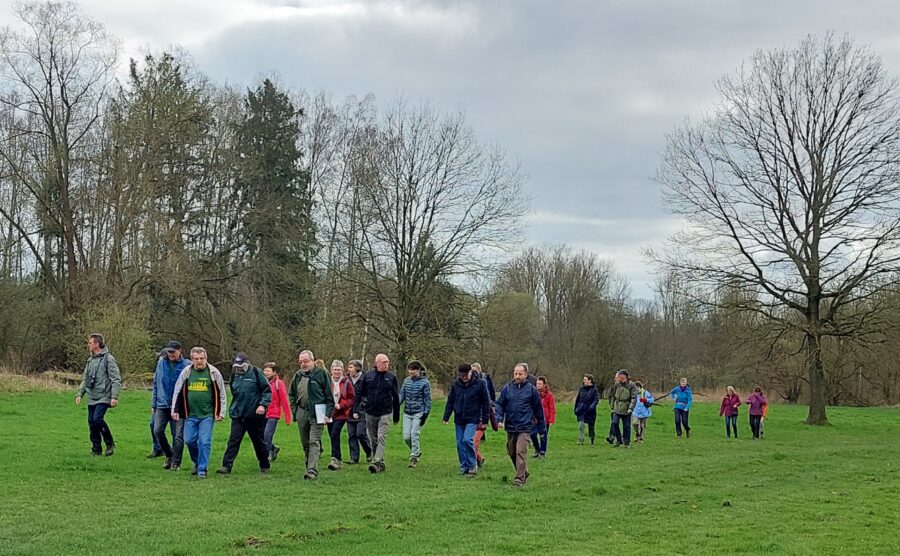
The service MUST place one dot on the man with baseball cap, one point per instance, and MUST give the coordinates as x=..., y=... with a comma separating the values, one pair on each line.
x=168, y=367
x=250, y=399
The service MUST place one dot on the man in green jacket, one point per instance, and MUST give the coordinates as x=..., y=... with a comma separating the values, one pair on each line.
x=622, y=399
x=311, y=387
x=250, y=398
x=101, y=382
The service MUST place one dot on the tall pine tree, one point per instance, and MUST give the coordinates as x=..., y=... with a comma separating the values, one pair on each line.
x=278, y=202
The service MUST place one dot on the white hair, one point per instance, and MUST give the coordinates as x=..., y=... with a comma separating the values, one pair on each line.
x=337, y=363
x=308, y=353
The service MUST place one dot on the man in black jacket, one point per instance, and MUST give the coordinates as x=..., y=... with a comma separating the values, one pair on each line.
x=470, y=404
x=250, y=398
x=379, y=394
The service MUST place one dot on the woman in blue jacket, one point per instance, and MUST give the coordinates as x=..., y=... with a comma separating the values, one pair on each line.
x=641, y=412
x=586, y=407
x=683, y=398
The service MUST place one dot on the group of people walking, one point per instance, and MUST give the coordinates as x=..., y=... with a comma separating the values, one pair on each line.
x=188, y=397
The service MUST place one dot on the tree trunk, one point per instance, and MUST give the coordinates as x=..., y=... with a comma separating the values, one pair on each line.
x=816, y=373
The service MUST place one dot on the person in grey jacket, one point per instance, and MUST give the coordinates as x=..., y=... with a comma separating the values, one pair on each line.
x=101, y=382
x=416, y=393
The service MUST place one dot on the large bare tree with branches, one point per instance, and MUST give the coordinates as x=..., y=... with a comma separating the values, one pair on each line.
x=791, y=190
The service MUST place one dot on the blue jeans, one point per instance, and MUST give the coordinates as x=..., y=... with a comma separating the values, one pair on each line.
x=157, y=449
x=465, y=446
x=539, y=439
x=731, y=424
x=98, y=427
x=198, y=437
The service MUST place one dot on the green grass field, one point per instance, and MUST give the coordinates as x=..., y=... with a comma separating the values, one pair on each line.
x=801, y=490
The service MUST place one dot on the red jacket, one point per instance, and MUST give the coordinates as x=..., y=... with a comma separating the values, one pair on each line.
x=344, y=403
x=279, y=401
x=729, y=405
x=548, y=402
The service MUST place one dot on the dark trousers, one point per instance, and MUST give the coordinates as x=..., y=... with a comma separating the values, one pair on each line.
x=269, y=434
x=98, y=427
x=539, y=439
x=681, y=420
x=755, y=420
x=620, y=427
x=161, y=418
x=255, y=427
x=731, y=425
x=356, y=430
x=334, y=433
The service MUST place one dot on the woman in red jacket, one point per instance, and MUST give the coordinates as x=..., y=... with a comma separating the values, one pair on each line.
x=344, y=395
x=278, y=406
x=548, y=403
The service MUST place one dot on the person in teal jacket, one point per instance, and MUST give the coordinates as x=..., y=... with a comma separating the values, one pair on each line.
x=641, y=411
x=683, y=397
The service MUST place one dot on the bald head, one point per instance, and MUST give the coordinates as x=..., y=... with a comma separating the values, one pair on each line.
x=382, y=363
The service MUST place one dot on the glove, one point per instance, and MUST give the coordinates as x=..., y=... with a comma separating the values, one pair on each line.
x=644, y=401
x=423, y=419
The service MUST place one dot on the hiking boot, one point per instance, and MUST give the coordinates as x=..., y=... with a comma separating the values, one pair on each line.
x=380, y=467
x=373, y=468
x=687, y=434
x=154, y=454
x=518, y=482
x=168, y=464
x=369, y=459
x=275, y=451
x=194, y=470
x=310, y=475
x=610, y=439
x=110, y=449
x=335, y=464
x=224, y=470
x=536, y=455
x=175, y=467
x=413, y=462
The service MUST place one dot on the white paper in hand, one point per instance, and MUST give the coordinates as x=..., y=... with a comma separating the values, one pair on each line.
x=320, y=414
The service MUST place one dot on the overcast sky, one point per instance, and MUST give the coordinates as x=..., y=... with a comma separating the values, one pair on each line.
x=582, y=93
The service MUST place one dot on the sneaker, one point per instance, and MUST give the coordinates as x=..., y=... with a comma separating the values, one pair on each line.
x=194, y=471
x=93, y=453
x=264, y=470
x=201, y=475
x=518, y=482
x=110, y=450
x=610, y=439
x=335, y=464
x=310, y=475
x=536, y=455
x=471, y=473
x=581, y=442
x=542, y=456
x=224, y=470
x=381, y=467
x=175, y=467
x=616, y=445
x=369, y=459
x=168, y=464
x=275, y=451
x=353, y=462
x=413, y=462
x=154, y=454
x=626, y=445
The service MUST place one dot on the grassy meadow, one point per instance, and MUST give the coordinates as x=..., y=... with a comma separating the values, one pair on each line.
x=800, y=490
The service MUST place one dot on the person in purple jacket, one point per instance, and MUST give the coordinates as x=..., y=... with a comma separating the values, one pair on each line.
x=756, y=401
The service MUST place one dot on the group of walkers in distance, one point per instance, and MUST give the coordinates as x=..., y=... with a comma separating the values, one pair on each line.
x=188, y=397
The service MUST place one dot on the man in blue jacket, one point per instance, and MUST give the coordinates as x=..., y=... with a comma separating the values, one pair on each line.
x=167, y=370
x=518, y=411
x=470, y=404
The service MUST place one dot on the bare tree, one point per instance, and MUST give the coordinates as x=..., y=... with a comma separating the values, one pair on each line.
x=790, y=188
x=436, y=205
x=55, y=71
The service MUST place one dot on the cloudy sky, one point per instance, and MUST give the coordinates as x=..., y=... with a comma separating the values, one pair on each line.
x=581, y=92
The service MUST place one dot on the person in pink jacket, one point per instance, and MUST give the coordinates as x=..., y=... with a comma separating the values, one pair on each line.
x=756, y=401
x=729, y=409
x=277, y=407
